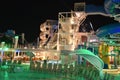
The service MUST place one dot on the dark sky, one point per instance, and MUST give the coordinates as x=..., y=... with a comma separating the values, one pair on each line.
x=25, y=16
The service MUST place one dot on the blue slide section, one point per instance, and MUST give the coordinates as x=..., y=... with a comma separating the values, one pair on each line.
x=93, y=8
x=108, y=29
x=108, y=7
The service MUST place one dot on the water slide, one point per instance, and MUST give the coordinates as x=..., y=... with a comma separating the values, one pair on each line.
x=109, y=7
x=52, y=37
x=92, y=58
x=108, y=30
x=104, y=31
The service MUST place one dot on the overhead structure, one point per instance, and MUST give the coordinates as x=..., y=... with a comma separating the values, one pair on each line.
x=109, y=29
x=69, y=23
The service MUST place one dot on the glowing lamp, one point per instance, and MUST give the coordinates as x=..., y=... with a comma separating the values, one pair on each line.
x=5, y=49
x=16, y=37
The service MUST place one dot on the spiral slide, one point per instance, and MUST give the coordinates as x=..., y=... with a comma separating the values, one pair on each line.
x=52, y=37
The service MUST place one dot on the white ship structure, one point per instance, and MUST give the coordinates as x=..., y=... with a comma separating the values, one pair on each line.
x=66, y=41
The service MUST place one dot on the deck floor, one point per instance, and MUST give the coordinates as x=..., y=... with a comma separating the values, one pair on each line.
x=31, y=75
x=27, y=74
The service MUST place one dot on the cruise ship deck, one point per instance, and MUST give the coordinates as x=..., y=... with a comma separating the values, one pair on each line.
x=55, y=72
x=84, y=54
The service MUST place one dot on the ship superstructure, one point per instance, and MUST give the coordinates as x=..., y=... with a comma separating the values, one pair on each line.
x=59, y=38
x=69, y=24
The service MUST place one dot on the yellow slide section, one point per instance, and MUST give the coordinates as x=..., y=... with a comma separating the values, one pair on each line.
x=103, y=52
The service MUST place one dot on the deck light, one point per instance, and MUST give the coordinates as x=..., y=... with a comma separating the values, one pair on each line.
x=16, y=37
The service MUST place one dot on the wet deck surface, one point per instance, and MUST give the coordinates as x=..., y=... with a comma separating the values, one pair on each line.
x=30, y=75
x=26, y=74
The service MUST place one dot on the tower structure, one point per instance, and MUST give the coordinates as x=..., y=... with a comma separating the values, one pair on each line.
x=69, y=23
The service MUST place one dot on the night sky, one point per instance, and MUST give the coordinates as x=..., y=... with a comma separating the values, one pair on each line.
x=25, y=16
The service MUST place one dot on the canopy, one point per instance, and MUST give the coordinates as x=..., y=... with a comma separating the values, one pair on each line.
x=108, y=29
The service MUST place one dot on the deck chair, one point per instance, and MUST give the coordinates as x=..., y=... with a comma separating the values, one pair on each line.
x=32, y=65
x=44, y=68
x=38, y=66
x=65, y=70
x=19, y=62
x=3, y=62
x=55, y=69
x=49, y=68
x=71, y=70
x=59, y=70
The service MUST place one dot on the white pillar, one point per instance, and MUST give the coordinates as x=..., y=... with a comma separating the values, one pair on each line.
x=15, y=45
x=2, y=51
x=16, y=41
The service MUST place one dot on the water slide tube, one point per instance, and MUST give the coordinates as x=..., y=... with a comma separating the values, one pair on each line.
x=108, y=30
